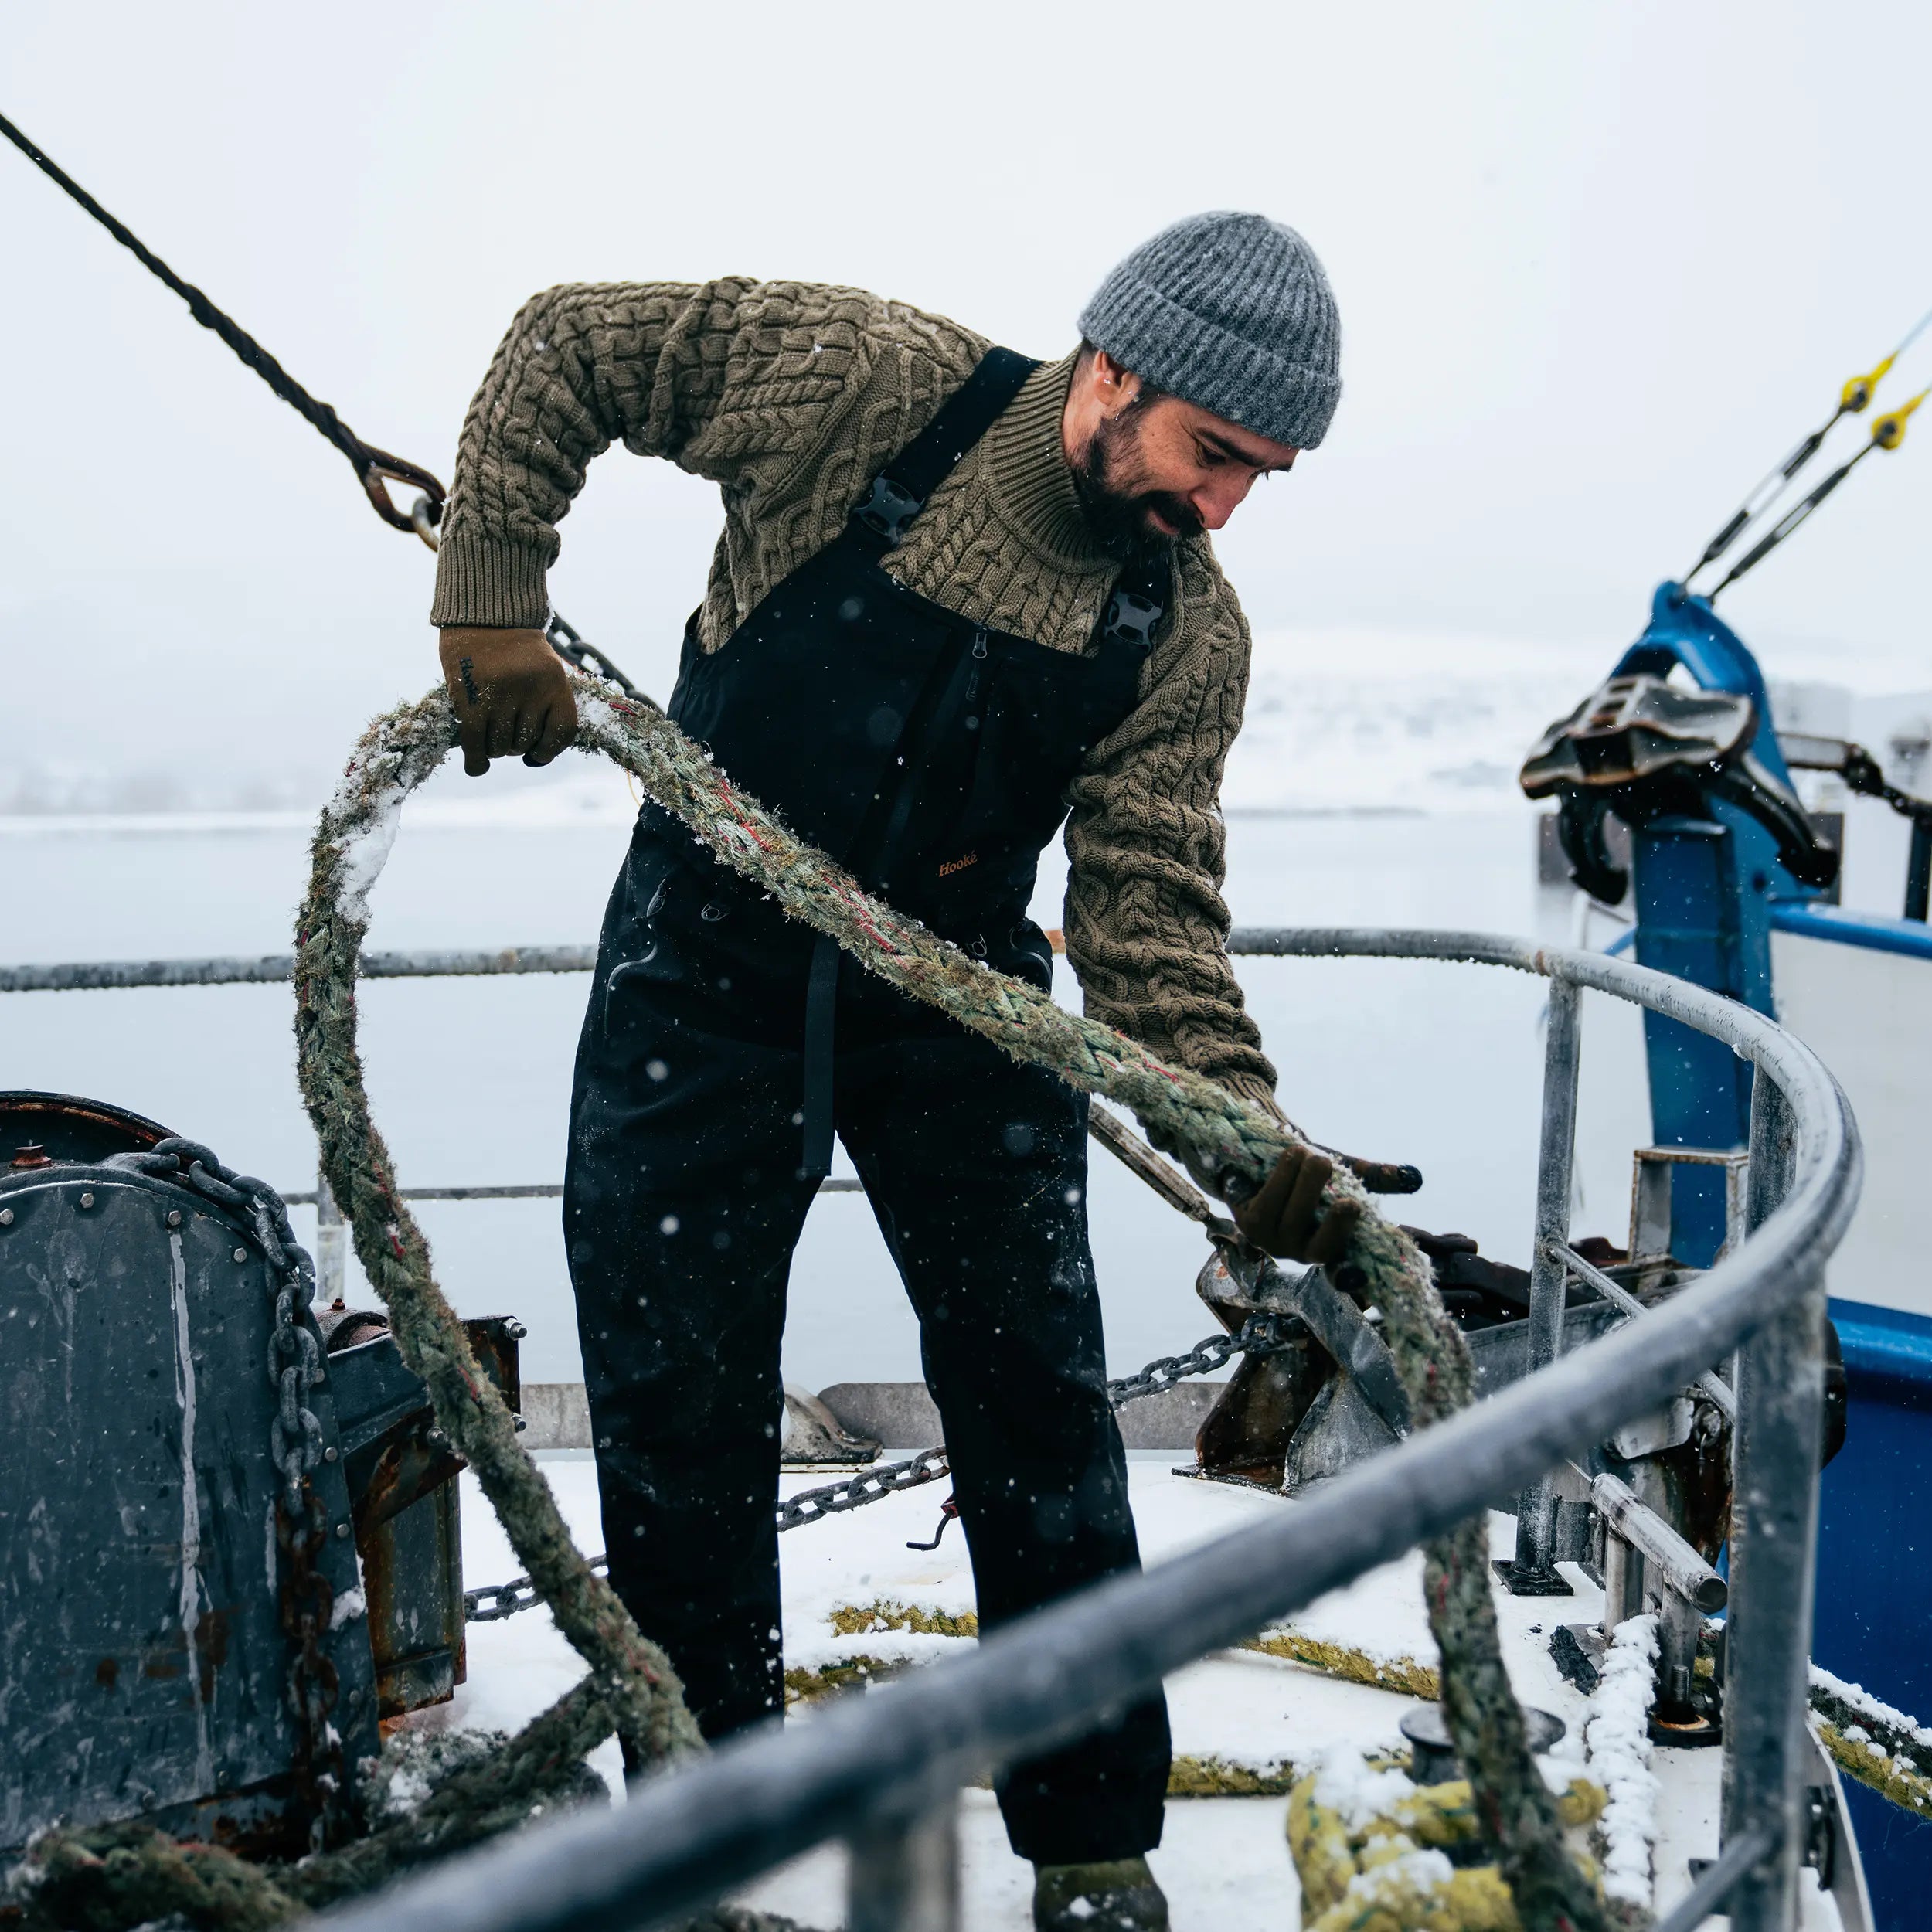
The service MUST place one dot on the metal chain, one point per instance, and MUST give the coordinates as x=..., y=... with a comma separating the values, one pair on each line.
x=295, y=1365
x=373, y=467
x=573, y=647
x=1166, y=1370
x=492, y=1602
x=1263, y=1334
x=870, y=1485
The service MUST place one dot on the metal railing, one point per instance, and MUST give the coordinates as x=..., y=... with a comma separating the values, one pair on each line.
x=883, y=1774
x=270, y=969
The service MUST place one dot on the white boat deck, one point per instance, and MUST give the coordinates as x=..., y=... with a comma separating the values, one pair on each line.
x=1224, y=1861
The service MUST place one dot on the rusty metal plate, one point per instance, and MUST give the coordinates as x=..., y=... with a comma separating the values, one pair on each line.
x=143, y=1666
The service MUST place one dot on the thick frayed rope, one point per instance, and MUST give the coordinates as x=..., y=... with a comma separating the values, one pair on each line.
x=124, y=1875
x=635, y=1679
x=1177, y=1106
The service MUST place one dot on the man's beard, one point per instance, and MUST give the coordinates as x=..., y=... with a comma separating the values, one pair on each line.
x=1108, y=478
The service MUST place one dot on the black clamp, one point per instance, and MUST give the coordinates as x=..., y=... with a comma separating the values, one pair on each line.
x=888, y=509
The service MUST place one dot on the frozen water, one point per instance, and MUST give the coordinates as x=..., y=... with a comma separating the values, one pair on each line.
x=470, y=1078
x=1371, y=786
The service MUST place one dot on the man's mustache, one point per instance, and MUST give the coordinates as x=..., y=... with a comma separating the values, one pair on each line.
x=1176, y=512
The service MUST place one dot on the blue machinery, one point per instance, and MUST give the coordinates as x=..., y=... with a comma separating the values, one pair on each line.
x=1710, y=889
x=1705, y=888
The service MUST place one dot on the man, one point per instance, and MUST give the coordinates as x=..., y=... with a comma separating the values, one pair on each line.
x=958, y=595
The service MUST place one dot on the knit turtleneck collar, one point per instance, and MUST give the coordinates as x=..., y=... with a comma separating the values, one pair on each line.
x=1032, y=489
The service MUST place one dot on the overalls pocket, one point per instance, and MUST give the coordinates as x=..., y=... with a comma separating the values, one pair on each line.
x=636, y=957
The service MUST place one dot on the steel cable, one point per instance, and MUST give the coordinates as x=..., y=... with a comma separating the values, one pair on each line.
x=373, y=467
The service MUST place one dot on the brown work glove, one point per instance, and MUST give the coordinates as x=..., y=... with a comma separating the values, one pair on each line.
x=510, y=695
x=1284, y=1217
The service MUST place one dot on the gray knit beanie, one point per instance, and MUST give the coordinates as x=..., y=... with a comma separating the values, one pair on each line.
x=1232, y=313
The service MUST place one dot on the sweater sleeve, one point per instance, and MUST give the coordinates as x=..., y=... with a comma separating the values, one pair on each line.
x=1146, y=926
x=730, y=379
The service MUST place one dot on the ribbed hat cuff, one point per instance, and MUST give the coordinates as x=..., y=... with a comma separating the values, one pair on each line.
x=1239, y=381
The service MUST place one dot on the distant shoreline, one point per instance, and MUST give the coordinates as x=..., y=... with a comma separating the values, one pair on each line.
x=481, y=816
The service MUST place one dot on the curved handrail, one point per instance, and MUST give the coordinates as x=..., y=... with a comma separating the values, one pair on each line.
x=1827, y=1134
x=686, y=1838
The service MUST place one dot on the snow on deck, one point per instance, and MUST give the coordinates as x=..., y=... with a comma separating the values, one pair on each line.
x=1224, y=1861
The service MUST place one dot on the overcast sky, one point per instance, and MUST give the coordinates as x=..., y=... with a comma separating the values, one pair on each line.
x=1598, y=266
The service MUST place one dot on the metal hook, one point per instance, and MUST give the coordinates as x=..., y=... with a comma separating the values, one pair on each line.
x=948, y=1512
x=379, y=469
x=423, y=516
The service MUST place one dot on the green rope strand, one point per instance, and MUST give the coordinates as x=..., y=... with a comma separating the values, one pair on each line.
x=111, y=1876
x=635, y=1676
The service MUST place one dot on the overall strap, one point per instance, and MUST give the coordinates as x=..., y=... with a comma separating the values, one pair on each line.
x=898, y=493
x=880, y=520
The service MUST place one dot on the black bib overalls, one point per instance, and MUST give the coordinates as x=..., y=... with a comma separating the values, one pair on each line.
x=724, y=1043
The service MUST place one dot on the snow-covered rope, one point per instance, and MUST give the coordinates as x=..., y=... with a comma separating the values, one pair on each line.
x=1874, y=1742
x=1616, y=1737
x=132, y=1874
x=1177, y=1107
x=1374, y=1850
x=351, y=842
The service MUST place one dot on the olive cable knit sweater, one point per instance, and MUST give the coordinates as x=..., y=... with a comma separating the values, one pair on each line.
x=790, y=397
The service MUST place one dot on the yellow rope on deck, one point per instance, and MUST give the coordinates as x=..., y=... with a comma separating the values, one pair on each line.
x=1390, y=1871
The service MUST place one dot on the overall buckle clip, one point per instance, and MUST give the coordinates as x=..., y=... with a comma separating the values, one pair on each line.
x=888, y=509
x=1131, y=619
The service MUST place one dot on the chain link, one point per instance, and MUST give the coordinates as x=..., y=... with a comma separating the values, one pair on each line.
x=492, y=1602
x=294, y=1366
x=870, y=1485
x=1264, y=1334
x=573, y=647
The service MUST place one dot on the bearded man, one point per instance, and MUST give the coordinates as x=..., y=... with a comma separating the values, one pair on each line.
x=960, y=598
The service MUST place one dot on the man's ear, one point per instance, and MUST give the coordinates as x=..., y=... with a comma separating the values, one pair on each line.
x=1115, y=386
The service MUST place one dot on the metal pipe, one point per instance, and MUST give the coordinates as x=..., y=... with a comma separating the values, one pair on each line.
x=904, y=1873
x=233, y=969
x=683, y=1840
x=1781, y=1392
x=1918, y=869
x=1337, y=942
x=1678, y=1627
x=1633, y=1521
x=1163, y=1177
x=1620, y=1297
x=1623, y=1582
x=1706, y=1899
x=1533, y=1572
x=532, y=1191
